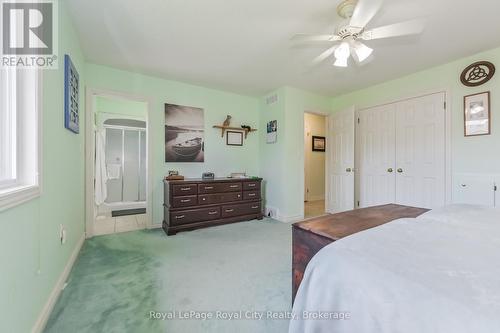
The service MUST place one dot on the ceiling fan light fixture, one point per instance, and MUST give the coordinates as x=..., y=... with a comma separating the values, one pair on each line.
x=343, y=51
x=362, y=51
x=340, y=62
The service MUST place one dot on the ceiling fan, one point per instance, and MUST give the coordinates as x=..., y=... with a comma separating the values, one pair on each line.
x=347, y=38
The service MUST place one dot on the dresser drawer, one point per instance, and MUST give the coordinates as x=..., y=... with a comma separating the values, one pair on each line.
x=185, y=189
x=207, y=199
x=187, y=201
x=241, y=209
x=219, y=187
x=250, y=195
x=194, y=215
x=249, y=186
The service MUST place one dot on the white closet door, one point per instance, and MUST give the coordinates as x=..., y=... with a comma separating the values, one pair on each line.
x=420, y=151
x=377, y=156
x=341, y=161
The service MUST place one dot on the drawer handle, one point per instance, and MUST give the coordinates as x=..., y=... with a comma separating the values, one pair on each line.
x=229, y=210
x=251, y=194
x=252, y=185
x=185, y=188
x=180, y=216
x=255, y=207
x=239, y=195
x=186, y=200
x=212, y=213
x=209, y=187
x=204, y=199
x=234, y=186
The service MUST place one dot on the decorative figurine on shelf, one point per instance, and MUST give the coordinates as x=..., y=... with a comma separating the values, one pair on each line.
x=246, y=128
x=227, y=121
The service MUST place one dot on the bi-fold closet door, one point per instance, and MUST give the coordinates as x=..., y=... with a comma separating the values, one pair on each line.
x=401, y=153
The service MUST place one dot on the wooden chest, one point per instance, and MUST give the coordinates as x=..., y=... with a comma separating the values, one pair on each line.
x=194, y=203
x=310, y=236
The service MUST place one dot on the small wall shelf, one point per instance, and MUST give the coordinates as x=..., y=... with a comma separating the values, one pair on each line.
x=239, y=129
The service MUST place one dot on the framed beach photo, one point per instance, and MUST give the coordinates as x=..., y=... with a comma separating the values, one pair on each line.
x=234, y=138
x=184, y=134
x=477, y=114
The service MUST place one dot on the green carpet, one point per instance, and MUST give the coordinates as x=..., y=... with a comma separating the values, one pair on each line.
x=220, y=271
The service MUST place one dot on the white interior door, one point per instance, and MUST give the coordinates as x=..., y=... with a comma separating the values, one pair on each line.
x=341, y=161
x=376, y=146
x=420, y=152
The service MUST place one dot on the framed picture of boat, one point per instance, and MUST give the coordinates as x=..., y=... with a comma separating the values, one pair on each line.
x=184, y=134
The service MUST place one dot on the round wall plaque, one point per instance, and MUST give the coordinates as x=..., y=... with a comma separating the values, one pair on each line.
x=477, y=74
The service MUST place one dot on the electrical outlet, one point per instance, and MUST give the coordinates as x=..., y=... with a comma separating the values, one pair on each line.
x=62, y=234
x=271, y=212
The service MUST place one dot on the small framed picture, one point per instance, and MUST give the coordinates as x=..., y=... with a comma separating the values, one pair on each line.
x=477, y=114
x=318, y=143
x=234, y=138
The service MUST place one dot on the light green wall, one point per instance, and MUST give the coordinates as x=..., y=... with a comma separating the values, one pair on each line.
x=31, y=256
x=219, y=158
x=282, y=164
x=272, y=156
x=120, y=106
x=469, y=155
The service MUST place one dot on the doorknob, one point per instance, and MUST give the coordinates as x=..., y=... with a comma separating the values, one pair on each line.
x=400, y=170
x=390, y=170
x=348, y=170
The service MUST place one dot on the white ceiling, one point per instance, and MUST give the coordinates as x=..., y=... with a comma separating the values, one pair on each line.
x=243, y=45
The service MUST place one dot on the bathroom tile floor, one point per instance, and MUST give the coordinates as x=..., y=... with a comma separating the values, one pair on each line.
x=111, y=225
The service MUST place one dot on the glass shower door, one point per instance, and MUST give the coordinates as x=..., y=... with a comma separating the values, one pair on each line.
x=131, y=165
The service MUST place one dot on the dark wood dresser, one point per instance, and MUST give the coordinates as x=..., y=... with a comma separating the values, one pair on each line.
x=195, y=203
x=310, y=236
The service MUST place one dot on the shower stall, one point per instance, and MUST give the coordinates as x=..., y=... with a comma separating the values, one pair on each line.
x=125, y=158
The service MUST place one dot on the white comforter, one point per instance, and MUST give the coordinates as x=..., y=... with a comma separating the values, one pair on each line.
x=437, y=273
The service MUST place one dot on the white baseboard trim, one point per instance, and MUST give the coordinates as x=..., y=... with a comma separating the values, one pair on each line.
x=290, y=219
x=54, y=295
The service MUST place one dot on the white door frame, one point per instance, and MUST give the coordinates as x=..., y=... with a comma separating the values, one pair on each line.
x=448, y=139
x=302, y=176
x=90, y=94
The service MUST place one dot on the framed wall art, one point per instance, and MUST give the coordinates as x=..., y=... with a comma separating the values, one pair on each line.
x=318, y=143
x=477, y=114
x=184, y=134
x=272, y=131
x=71, y=96
x=234, y=138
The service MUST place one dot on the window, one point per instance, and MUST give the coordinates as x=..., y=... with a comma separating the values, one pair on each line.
x=19, y=136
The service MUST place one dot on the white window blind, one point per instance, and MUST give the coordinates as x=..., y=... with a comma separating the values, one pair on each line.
x=19, y=135
x=8, y=144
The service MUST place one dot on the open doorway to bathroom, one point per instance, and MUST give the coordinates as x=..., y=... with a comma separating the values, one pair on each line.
x=120, y=164
x=315, y=127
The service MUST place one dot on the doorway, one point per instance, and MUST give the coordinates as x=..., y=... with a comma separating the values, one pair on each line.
x=315, y=132
x=119, y=199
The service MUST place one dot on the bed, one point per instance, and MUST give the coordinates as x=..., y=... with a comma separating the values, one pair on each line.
x=439, y=272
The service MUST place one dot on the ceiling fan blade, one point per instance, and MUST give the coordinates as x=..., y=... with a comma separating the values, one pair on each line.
x=315, y=38
x=364, y=12
x=323, y=56
x=413, y=27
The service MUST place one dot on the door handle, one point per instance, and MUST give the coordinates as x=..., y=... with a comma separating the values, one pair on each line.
x=400, y=170
x=390, y=170
x=348, y=170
